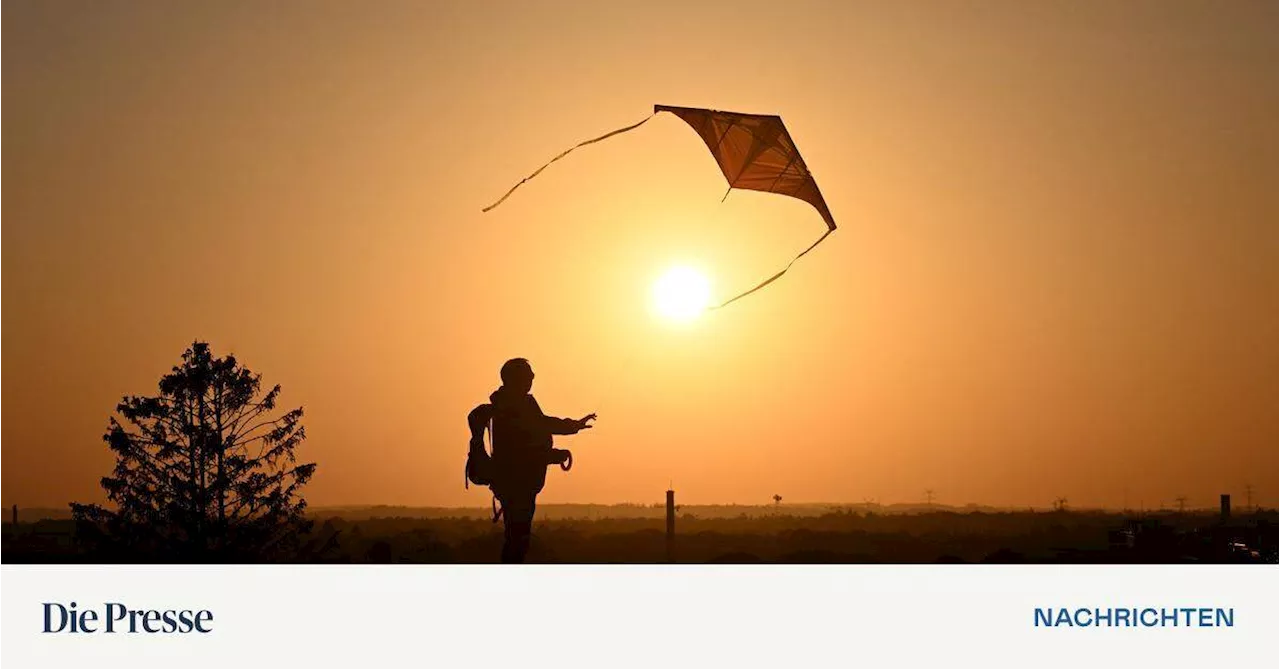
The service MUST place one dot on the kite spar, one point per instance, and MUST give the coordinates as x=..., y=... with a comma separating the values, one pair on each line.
x=754, y=152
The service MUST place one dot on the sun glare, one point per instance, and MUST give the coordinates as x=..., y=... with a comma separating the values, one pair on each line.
x=681, y=294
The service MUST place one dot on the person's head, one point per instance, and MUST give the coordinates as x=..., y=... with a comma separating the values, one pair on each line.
x=517, y=375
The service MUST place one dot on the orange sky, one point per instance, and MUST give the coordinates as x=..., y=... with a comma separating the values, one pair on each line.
x=1055, y=273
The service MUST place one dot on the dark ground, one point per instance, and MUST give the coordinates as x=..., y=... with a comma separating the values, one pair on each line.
x=786, y=534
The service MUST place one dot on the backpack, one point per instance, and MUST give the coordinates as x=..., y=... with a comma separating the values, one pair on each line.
x=479, y=469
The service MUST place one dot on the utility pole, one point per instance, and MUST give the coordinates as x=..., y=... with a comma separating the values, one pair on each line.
x=671, y=526
x=928, y=497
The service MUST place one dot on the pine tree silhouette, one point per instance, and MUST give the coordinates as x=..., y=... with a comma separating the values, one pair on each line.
x=205, y=471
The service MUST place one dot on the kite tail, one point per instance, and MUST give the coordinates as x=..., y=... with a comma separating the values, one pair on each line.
x=777, y=276
x=538, y=171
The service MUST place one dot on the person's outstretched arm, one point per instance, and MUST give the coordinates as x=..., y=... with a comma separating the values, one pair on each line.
x=553, y=425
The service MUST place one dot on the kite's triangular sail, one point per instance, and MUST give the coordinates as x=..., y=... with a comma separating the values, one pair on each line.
x=755, y=152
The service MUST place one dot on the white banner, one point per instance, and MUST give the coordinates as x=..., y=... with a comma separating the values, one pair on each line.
x=779, y=617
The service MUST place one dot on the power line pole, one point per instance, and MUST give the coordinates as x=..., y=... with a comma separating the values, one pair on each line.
x=928, y=496
x=671, y=525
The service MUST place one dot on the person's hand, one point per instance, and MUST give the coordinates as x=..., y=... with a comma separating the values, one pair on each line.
x=584, y=422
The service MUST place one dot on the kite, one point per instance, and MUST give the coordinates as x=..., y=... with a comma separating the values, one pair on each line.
x=754, y=151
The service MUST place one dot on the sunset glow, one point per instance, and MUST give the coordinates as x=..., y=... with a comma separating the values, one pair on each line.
x=1052, y=275
x=681, y=294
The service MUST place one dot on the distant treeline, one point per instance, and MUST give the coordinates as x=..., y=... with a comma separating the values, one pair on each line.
x=636, y=534
x=32, y=514
x=656, y=510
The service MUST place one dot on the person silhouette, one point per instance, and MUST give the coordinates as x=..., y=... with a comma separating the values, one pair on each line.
x=522, y=450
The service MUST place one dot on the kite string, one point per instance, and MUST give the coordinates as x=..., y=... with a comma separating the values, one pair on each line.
x=566, y=152
x=775, y=277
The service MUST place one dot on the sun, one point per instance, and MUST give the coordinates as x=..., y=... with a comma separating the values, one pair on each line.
x=681, y=294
